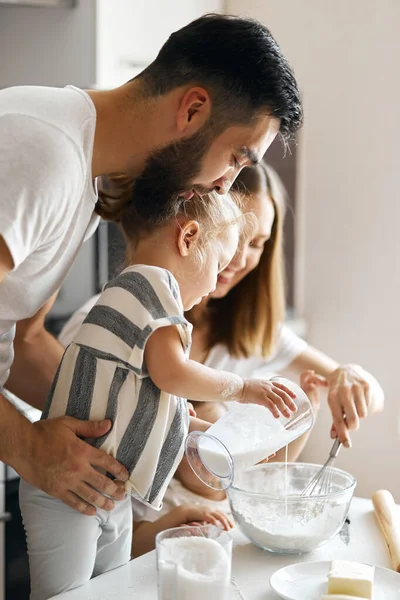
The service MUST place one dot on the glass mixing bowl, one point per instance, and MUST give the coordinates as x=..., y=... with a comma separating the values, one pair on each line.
x=267, y=505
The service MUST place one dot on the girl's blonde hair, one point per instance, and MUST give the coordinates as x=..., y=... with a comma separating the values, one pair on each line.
x=247, y=319
x=215, y=214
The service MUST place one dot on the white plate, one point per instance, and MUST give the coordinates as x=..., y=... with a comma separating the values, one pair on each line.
x=308, y=581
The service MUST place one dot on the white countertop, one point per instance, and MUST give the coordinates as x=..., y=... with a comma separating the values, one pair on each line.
x=252, y=567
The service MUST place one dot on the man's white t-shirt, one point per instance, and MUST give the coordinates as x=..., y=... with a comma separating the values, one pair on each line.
x=47, y=197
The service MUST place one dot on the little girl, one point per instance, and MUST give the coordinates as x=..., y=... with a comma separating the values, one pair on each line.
x=129, y=363
x=188, y=501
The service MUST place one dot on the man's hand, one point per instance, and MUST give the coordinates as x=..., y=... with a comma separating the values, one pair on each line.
x=56, y=461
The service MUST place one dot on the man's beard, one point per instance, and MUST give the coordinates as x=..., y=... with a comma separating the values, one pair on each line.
x=169, y=172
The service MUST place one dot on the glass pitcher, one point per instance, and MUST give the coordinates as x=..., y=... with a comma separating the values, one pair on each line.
x=246, y=435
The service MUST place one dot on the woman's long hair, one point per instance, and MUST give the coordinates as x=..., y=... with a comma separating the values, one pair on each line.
x=247, y=319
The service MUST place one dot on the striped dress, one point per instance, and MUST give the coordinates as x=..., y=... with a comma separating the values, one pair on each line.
x=103, y=375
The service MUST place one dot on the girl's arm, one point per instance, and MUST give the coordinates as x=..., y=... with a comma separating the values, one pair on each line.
x=144, y=532
x=173, y=373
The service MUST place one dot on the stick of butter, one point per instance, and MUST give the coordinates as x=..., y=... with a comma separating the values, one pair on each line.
x=340, y=597
x=351, y=578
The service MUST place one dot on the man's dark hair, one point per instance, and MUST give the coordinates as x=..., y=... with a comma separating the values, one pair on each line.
x=239, y=63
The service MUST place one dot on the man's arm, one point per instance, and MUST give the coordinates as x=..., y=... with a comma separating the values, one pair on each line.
x=37, y=356
x=49, y=454
x=37, y=352
x=13, y=428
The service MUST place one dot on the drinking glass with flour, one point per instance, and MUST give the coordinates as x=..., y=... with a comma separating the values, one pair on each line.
x=194, y=563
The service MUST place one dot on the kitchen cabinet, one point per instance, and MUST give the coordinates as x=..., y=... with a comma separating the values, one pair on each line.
x=129, y=33
x=41, y=3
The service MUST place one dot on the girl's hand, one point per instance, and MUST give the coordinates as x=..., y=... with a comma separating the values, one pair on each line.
x=205, y=515
x=349, y=398
x=275, y=396
x=310, y=384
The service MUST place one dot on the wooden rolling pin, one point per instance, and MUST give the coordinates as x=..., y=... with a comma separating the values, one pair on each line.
x=388, y=519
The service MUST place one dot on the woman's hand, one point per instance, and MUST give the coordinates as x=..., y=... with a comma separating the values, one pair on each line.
x=349, y=398
x=310, y=384
x=275, y=396
x=195, y=515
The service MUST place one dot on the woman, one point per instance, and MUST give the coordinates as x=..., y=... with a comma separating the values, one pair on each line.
x=240, y=329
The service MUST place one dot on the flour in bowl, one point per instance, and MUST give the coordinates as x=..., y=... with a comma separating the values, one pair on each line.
x=296, y=529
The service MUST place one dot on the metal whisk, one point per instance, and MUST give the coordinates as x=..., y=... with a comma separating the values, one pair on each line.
x=320, y=484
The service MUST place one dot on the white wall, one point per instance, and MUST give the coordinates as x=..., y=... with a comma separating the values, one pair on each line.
x=130, y=34
x=47, y=46
x=346, y=56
